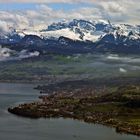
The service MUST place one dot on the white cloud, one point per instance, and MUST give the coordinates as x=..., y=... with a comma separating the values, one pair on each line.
x=3, y=26
x=122, y=11
x=8, y=54
x=113, y=7
x=122, y=70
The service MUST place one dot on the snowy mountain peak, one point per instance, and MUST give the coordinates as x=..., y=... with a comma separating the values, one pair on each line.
x=78, y=29
x=79, y=23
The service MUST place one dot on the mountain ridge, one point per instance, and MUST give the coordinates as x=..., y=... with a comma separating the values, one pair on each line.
x=76, y=36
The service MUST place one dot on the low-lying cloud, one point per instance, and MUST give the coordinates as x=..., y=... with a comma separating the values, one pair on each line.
x=7, y=54
x=122, y=70
x=26, y=54
x=130, y=59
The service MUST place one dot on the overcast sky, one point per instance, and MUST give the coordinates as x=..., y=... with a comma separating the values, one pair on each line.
x=39, y=13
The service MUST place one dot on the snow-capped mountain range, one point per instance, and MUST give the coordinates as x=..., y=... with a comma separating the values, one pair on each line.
x=78, y=30
x=99, y=35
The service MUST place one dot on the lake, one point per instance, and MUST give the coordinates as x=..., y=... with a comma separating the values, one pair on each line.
x=13, y=127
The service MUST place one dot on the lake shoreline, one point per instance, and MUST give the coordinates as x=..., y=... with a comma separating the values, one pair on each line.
x=98, y=118
x=105, y=106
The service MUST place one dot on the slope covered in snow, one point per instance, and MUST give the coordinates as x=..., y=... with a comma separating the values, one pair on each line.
x=62, y=32
x=81, y=30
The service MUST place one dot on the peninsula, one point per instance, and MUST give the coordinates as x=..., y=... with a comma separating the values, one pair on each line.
x=118, y=107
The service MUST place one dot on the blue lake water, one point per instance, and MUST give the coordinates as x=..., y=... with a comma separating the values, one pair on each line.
x=13, y=127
